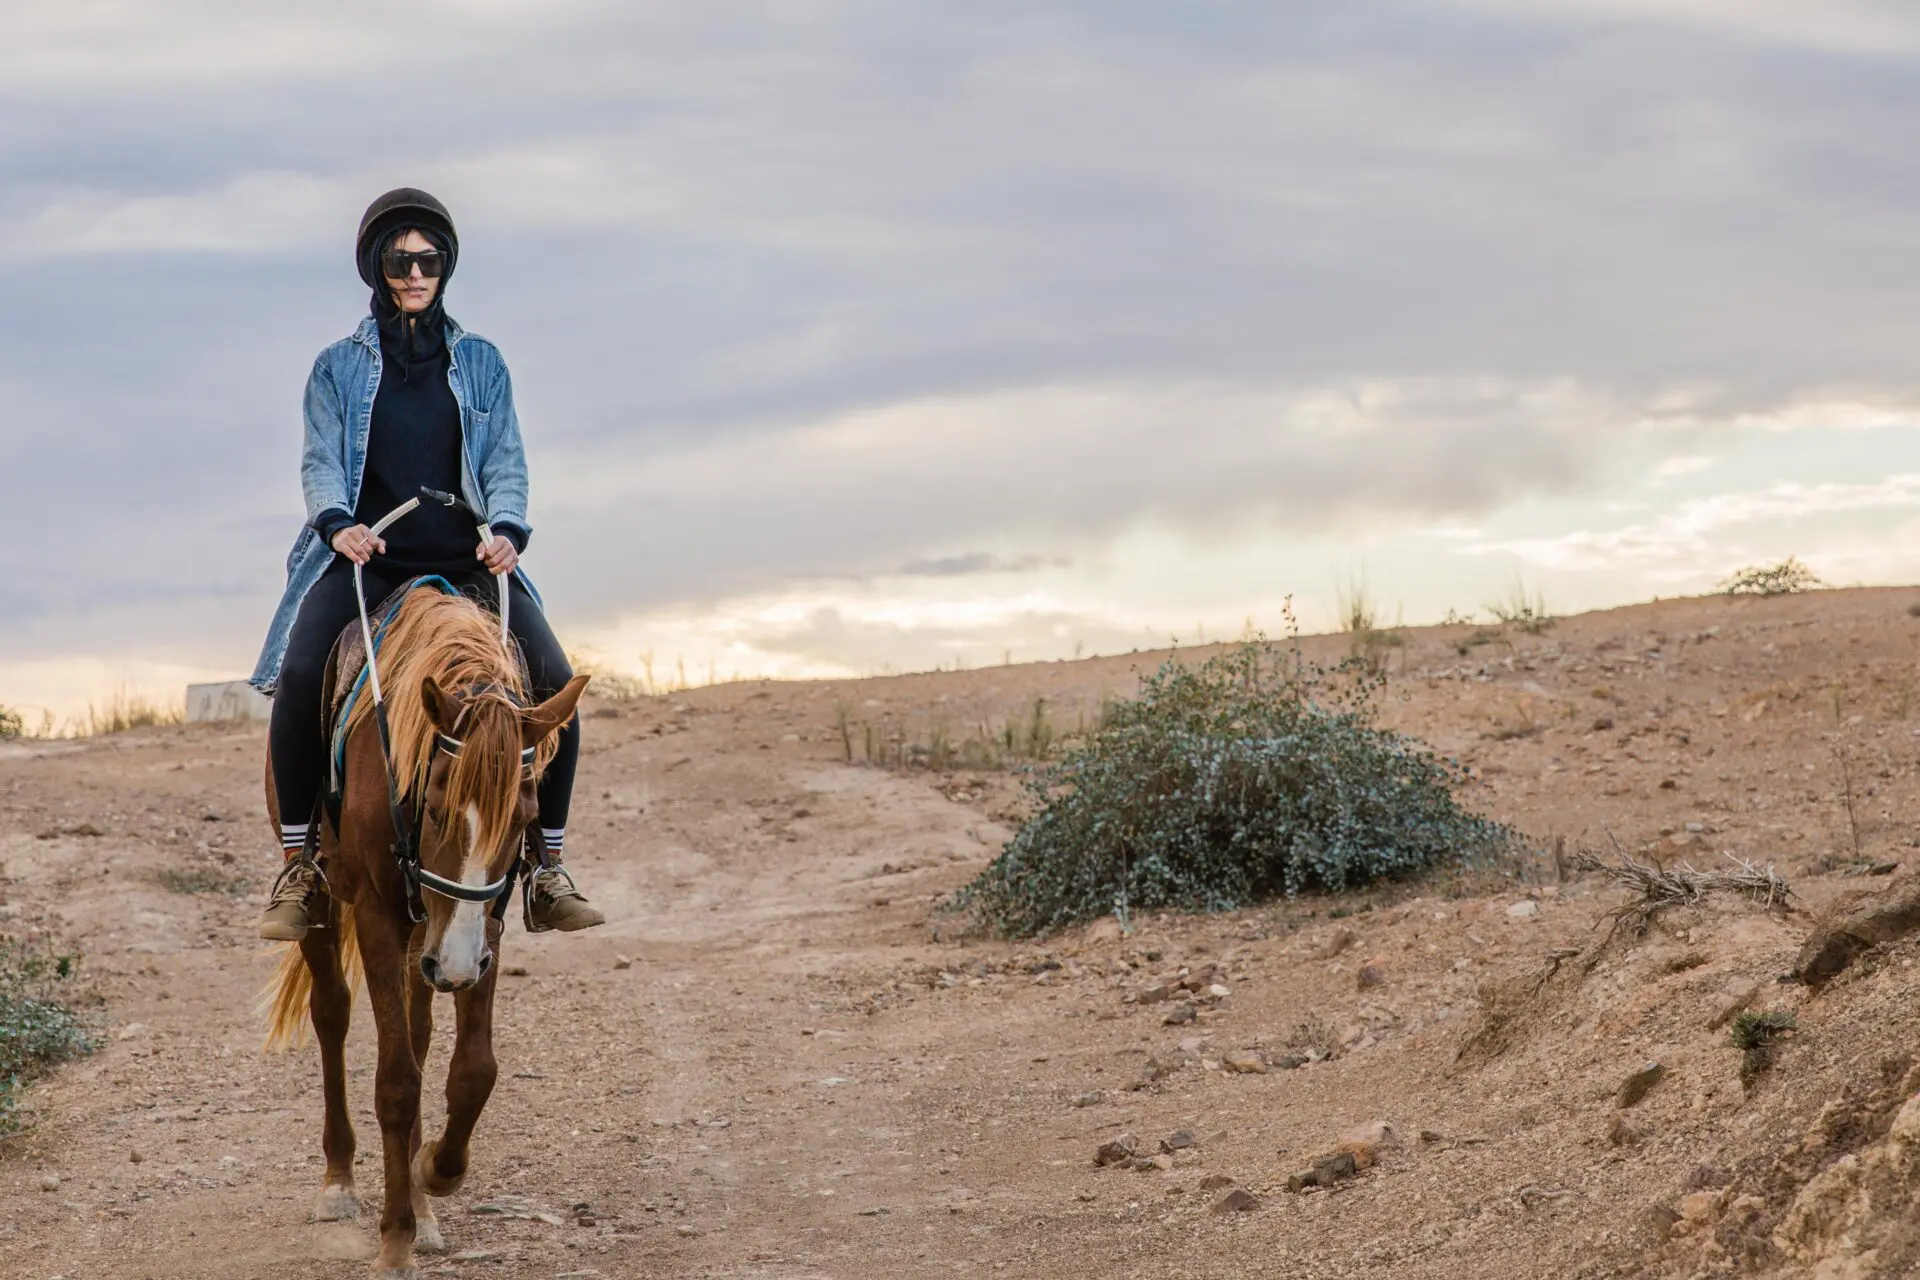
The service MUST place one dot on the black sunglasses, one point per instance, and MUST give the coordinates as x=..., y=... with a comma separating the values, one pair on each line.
x=398, y=264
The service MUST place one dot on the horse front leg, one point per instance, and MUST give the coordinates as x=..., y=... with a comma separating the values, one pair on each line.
x=331, y=1006
x=442, y=1163
x=396, y=1094
x=427, y=1237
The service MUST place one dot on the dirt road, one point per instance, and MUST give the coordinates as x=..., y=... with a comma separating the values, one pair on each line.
x=769, y=1064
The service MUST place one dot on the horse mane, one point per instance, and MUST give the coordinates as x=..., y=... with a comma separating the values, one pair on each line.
x=455, y=641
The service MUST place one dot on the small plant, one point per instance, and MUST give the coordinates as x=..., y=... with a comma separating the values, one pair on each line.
x=198, y=880
x=1368, y=642
x=843, y=722
x=1253, y=775
x=1757, y=1036
x=37, y=1031
x=11, y=725
x=1522, y=610
x=1789, y=577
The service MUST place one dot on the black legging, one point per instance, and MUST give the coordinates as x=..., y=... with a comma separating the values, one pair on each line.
x=298, y=741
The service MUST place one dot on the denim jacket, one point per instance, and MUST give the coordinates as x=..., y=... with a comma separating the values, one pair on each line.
x=339, y=413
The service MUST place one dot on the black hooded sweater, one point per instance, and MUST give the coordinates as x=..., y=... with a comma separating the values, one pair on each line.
x=413, y=440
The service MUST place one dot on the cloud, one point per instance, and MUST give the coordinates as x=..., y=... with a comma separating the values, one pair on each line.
x=832, y=290
x=1691, y=539
x=971, y=563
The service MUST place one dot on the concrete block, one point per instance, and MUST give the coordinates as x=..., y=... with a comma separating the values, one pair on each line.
x=227, y=700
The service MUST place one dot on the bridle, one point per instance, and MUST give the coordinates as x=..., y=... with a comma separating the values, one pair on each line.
x=406, y=827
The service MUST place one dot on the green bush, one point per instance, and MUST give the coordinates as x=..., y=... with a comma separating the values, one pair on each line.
x=37, y=1032
x=1253, y=775
x=11, y=725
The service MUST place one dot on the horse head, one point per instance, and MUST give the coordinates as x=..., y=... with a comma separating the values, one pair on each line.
x=478, y=800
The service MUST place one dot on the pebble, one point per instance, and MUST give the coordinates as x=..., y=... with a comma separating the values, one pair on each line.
x=1120, y=1150
x=515, y=971
x=1525, y=909
x=1179, y=1016
x=1369, y=976
x=1341, y=939
x=623, y=962
x=1249, y=1062
x=136, y=1156
x=49, y=1182
x=1215, y=1182
x=1178, y=1140
x=1092, y=1098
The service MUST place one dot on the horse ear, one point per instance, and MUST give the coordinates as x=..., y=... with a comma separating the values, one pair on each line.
x=440, y=708
x=542, y=720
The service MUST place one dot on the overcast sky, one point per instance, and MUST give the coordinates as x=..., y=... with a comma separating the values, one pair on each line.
x=861, y=335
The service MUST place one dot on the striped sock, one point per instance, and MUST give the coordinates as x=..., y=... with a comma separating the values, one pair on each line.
x=556, y=838
x=293, y=837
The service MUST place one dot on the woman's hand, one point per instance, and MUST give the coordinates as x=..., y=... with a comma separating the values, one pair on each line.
x=498, y=555
x=358, y=543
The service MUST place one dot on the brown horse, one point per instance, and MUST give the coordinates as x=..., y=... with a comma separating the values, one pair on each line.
x=460, y=735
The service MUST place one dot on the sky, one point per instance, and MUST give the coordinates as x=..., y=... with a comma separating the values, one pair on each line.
x=858, y=337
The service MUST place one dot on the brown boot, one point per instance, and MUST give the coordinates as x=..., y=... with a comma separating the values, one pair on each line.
x=286, y=918
x=553, y=901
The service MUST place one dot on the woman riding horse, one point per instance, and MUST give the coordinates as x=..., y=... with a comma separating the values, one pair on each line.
x=409, y=400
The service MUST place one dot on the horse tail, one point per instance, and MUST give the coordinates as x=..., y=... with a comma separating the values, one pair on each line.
x=285, y=1000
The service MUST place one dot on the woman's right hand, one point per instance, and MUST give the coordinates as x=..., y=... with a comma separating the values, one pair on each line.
x=358, y=543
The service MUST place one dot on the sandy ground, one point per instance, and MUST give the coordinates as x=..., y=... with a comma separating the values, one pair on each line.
x=777, y=1061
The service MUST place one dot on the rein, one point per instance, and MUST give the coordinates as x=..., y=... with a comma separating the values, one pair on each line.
x=406, y=829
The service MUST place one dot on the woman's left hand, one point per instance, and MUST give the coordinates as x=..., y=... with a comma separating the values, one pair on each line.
x=498, y=555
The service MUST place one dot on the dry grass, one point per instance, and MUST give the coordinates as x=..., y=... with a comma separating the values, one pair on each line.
x=122, y=711
x=1653, y=888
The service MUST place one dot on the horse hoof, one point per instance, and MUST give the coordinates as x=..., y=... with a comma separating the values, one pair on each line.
x=336, y=1203
x=426, y=1179
x=427, y=1237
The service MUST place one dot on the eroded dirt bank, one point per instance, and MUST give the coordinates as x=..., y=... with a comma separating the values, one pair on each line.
x=799, y=1074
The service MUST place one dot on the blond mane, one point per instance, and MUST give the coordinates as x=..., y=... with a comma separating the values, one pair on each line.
x=455, y=641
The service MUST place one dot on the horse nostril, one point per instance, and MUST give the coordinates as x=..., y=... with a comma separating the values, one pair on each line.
x=486, y=963
x=430, y=970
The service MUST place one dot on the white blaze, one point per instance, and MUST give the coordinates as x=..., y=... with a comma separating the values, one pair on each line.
x=465, y=940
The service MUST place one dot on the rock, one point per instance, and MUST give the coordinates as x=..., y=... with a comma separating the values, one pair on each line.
x=1199, y=979
x=1620, y=1133
x=1238, y=1200
x=1105, y=929
x=623, y=962
x=1215, y=1182
x=1246, y=1062
x=1155, y=994
x=1374, y=1133
x=1289, y=1061
x=1219, y=992
x=1092, y=1098
x=1326, y=1171
x=1368, y=977
x=1120, y=1150
x=49, y=1182
x=1178, y=1140
x=1525, y=909
x=136, y=1156
x=1635, y=1086
x=1148, y=1164
x=1731, y=1002
x=1698, y=1206
x=1339, y=941
x=1179, y=1016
